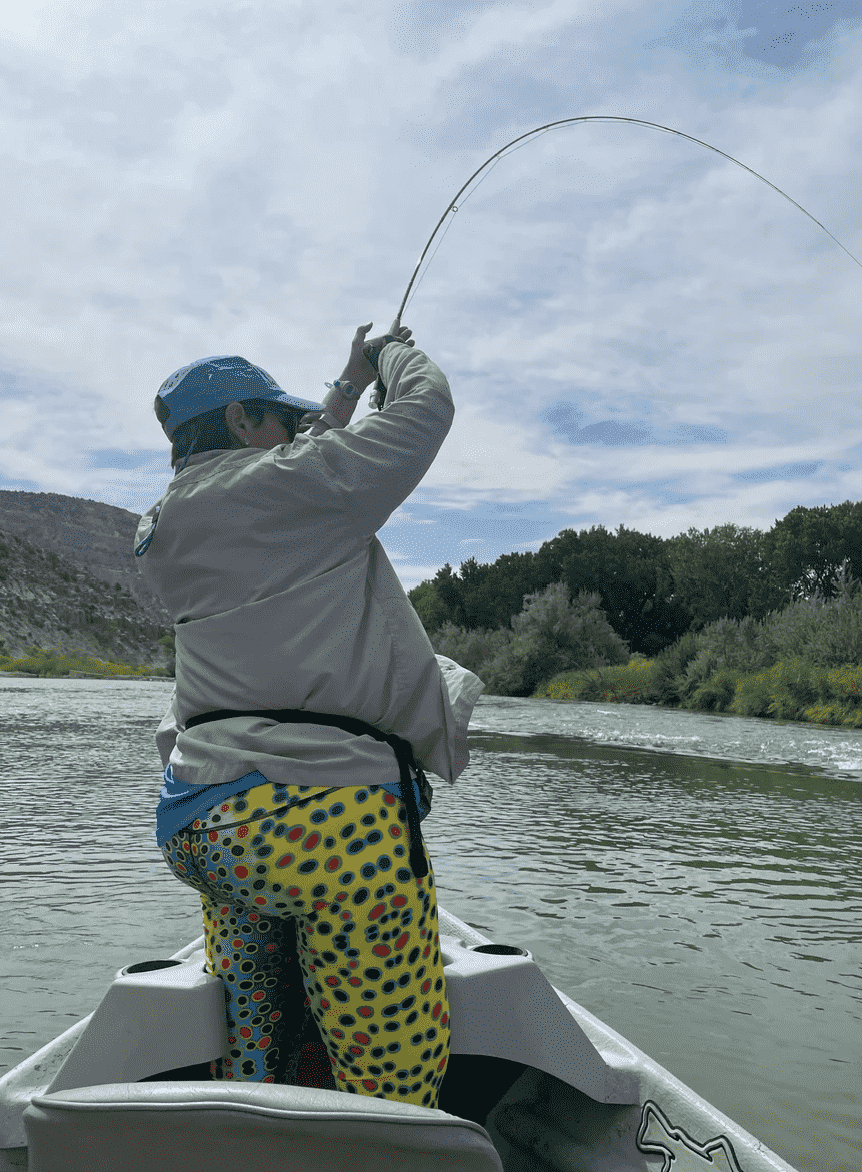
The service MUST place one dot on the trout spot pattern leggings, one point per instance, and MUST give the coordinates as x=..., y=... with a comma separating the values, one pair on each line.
x=333, y=863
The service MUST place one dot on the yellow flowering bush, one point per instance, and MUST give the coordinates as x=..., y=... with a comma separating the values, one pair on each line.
x=53, y=665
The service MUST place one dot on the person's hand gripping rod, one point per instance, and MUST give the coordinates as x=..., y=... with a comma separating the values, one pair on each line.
x=371, y=352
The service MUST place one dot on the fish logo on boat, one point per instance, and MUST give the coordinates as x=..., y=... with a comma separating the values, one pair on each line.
x=657, y=1135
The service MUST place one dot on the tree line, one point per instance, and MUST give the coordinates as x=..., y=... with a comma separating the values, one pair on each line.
x=654, y=590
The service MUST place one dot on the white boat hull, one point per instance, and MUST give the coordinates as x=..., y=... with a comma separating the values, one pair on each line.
x=552, y=1086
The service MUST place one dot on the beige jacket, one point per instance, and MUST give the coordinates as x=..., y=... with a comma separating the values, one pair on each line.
x=282, y=597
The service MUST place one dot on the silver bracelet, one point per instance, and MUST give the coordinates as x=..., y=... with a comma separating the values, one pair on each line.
x=348, y=390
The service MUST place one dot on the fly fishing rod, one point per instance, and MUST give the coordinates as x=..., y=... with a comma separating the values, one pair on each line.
x=512, y=146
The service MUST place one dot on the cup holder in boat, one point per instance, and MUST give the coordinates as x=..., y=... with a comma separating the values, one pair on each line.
x=149, y=966
x=499, y=949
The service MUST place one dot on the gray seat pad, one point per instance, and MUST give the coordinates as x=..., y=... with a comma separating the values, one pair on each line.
x=162, y=1125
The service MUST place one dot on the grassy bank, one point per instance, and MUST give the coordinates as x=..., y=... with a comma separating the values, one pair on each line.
x=54, y=665
x=791, y=689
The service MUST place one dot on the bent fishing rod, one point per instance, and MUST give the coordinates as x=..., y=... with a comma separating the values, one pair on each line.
x=511, y=147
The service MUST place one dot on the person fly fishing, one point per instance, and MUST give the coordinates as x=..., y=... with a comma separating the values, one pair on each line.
x=308, y=705
x=309, y=701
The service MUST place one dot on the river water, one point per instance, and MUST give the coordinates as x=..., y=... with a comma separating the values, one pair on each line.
x=692, y=880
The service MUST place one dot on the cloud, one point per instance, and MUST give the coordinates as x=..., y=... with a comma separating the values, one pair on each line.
x=745, y=35
x=565, y=419
x=782, y=472
x=635, y=330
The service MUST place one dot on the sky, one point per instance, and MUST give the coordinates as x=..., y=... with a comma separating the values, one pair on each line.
x=635, y=331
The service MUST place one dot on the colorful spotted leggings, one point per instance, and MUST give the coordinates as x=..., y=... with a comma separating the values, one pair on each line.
x=328, y=869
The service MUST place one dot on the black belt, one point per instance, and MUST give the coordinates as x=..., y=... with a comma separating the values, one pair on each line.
x=403, y=753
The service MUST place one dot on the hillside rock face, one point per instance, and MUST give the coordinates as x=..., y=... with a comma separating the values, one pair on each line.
x=69, y=581
x=50, y=602
x=96, y=537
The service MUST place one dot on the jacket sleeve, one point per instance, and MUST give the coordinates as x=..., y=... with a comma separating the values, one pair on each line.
x=373, y=465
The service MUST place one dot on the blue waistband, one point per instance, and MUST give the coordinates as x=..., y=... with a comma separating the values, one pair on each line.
x=180, y=804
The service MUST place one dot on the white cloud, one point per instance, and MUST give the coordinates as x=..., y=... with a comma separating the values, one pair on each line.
x=186, y=179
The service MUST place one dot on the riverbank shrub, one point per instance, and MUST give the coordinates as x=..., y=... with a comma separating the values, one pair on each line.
x=823, y=631
x=782, y=691
x=472, y=649
x=838, y=715
x=553, y=633
x=629, y=683
x=803, y=663
x=753, y=696
x=845, y=683
x=668, y=671
x=791, y=689
x=715, y=693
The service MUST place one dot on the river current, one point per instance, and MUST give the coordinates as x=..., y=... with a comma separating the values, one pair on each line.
x=692, y=880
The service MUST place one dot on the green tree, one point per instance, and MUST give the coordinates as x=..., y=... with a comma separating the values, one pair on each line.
x=449, y=592
x=722, y=573
x=631, y=573
x=429, y=606
x=808, y=547
x=492, y=594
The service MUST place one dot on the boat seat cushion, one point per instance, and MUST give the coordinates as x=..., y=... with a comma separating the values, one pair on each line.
x=258, y=1127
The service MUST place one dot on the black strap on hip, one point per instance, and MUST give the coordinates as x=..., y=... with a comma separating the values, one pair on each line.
x=403, y=753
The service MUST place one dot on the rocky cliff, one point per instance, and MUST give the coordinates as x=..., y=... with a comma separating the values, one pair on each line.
x=92, y=535
x=69, y=580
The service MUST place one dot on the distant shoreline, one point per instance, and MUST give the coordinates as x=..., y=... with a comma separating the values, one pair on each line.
x=78, y=675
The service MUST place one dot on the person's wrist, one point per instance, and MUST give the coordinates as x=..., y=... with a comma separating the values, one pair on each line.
x=346, y=389
x=360, y=378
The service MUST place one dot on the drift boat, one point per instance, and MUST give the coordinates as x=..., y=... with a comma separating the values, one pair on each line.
x=535, y=1083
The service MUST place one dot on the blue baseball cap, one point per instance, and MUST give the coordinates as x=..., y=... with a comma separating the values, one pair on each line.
x=214, y=382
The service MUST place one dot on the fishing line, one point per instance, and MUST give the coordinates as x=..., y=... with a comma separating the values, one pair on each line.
x=501, y=153
x=454, y=208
